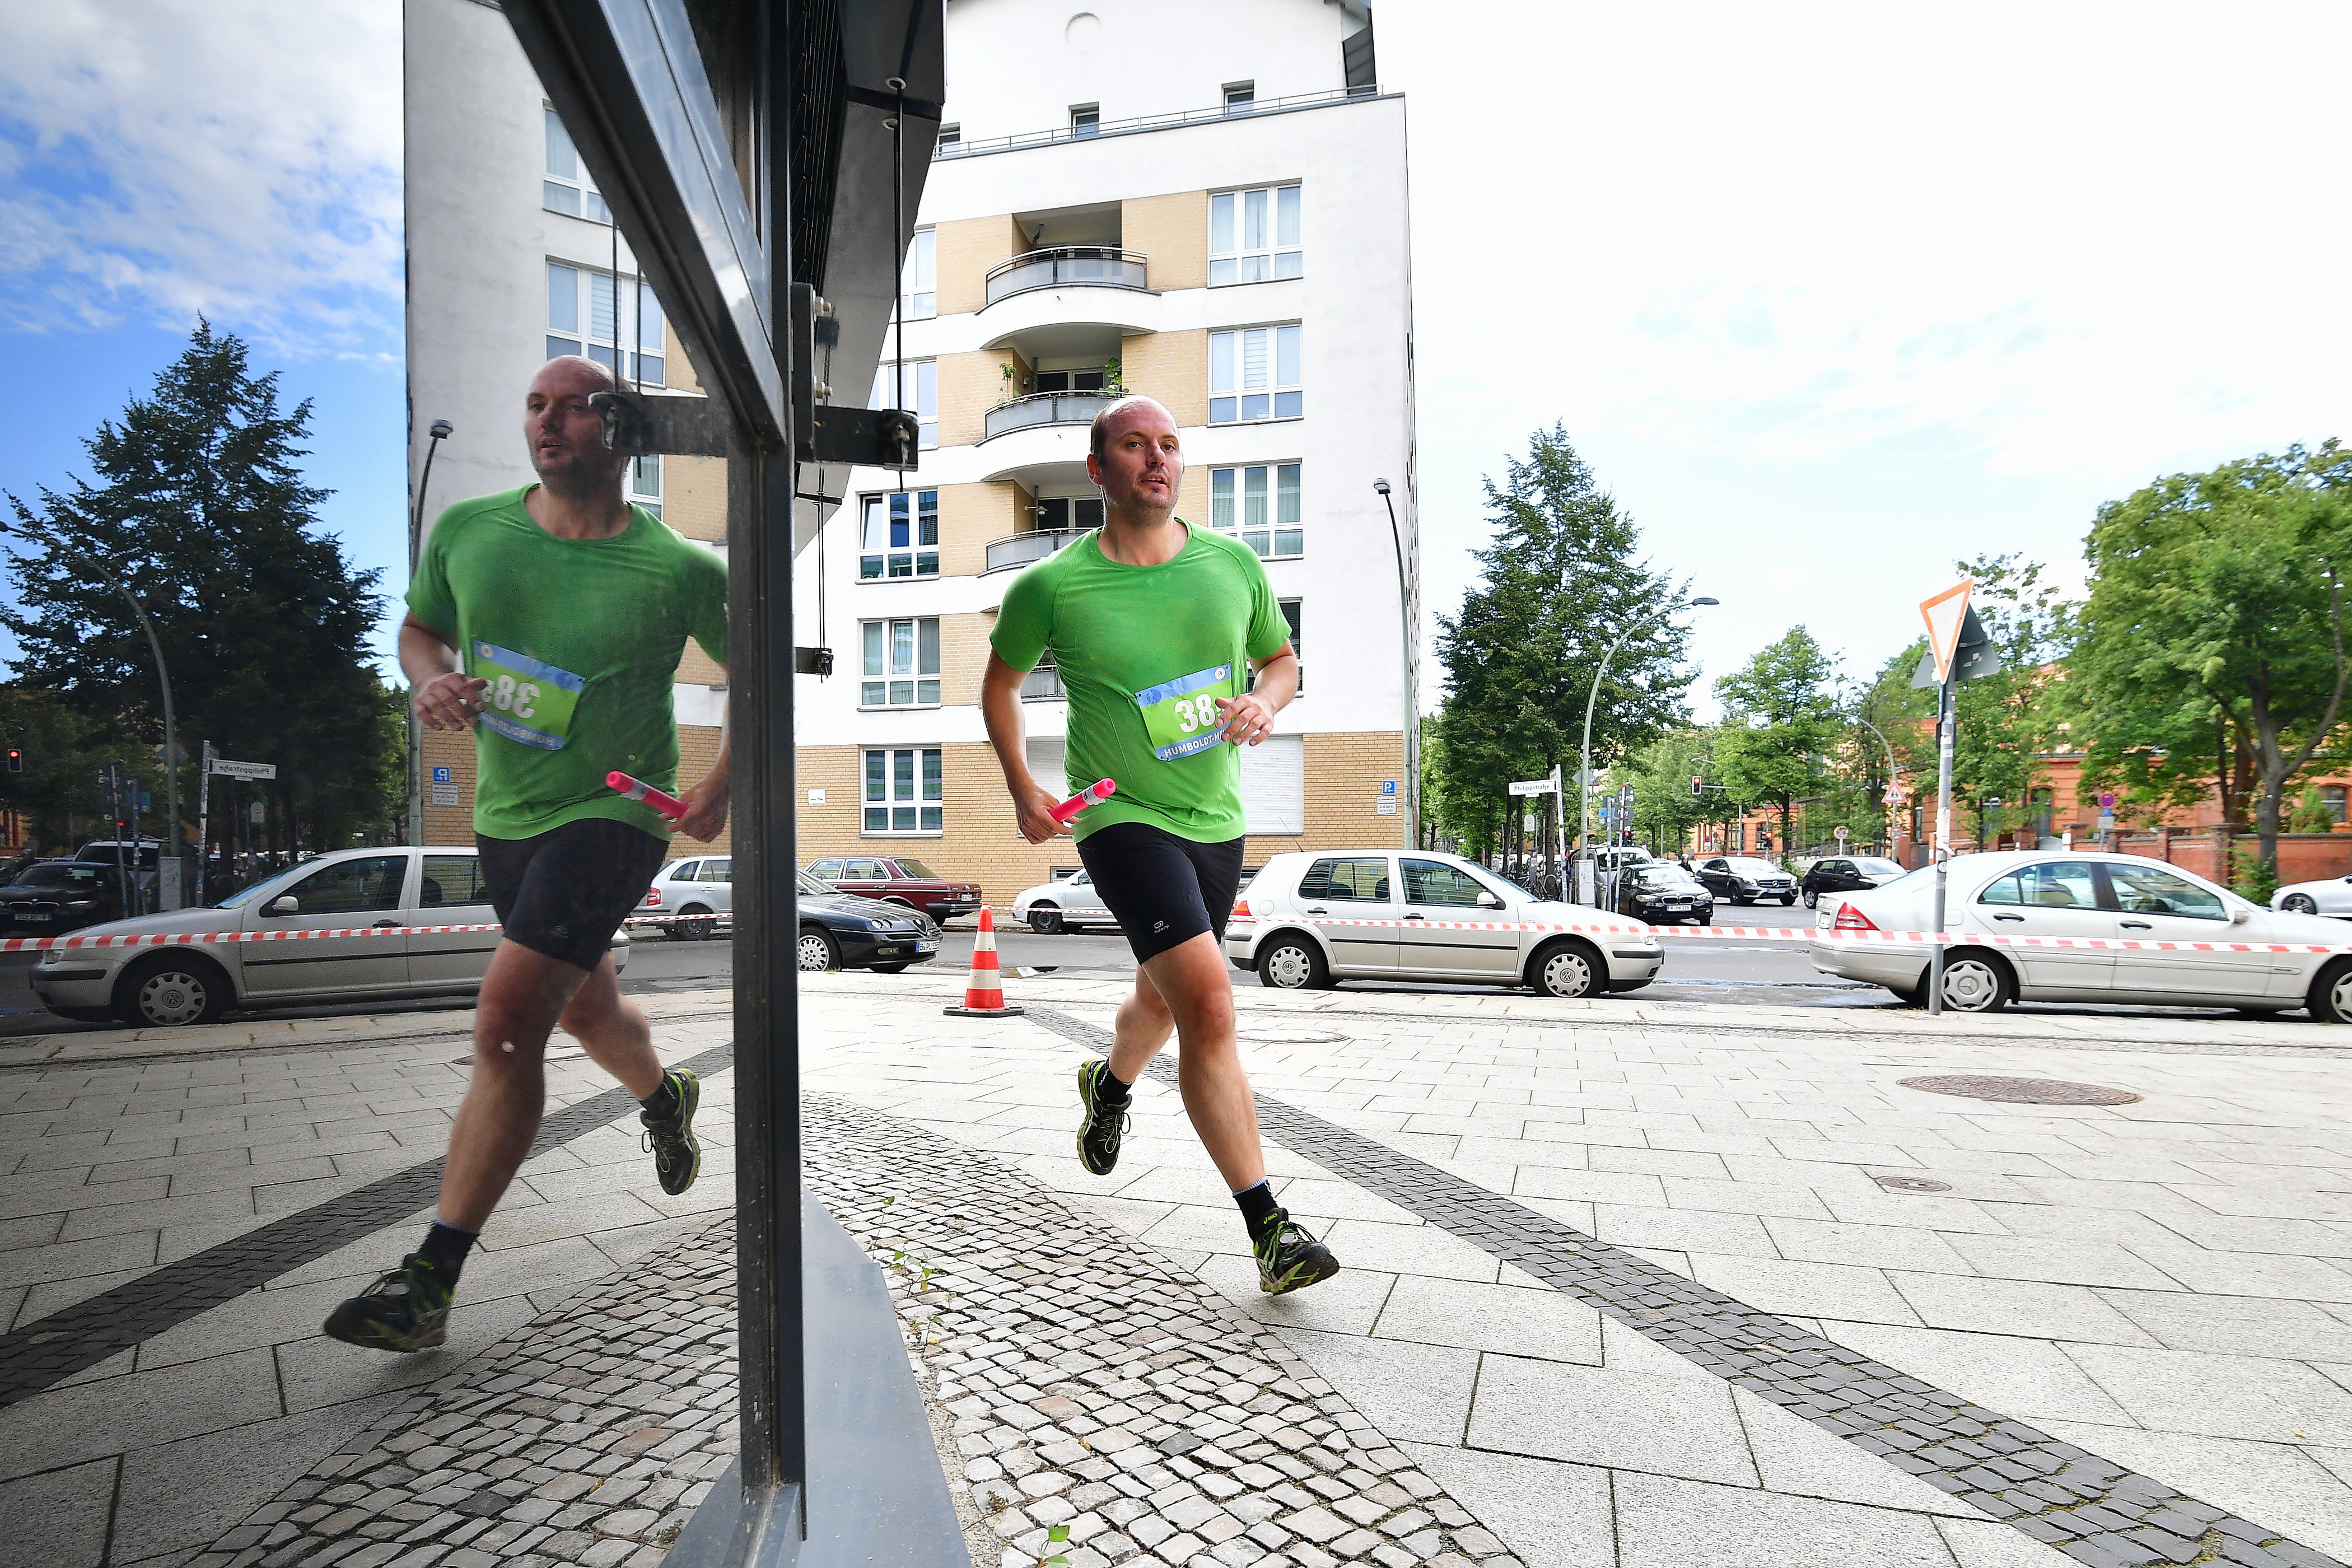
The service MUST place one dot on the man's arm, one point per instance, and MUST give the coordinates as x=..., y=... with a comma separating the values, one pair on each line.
x=1249, y=718
x=444, y=697
x=706, y=799
x=999, y=705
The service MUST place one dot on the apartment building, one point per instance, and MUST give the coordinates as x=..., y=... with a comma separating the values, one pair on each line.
x=512, y=260
x=1206, y=203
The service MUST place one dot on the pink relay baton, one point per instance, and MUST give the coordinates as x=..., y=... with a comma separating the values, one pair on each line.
x=1101, y=790
x=669, y=805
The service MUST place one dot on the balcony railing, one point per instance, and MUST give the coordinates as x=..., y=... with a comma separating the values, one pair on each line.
x=1104, y=265
x=1020, y=549
x=1156, y=122
x=1045, y=408
x=1043, y=684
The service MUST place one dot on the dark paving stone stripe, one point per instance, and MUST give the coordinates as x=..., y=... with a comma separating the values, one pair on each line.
x=46, y=1351
x=2094, y=1510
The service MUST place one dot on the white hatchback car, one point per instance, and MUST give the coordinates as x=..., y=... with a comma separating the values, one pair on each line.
x=1298, y=924
x=351, y=889
x=1067, y=904
x=700, y=892
x=2072, y=893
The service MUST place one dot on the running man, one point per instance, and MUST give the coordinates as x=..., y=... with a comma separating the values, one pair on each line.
x=1155, y=625
x=571, y=608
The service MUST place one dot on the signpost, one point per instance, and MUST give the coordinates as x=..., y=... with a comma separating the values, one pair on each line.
x=1957, y=650
x=226, y=769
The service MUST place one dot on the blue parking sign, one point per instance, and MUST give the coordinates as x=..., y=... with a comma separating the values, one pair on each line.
x=440, y=775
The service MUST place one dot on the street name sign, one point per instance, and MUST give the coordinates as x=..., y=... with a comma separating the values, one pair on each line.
x=229, y=769
x=1534, y=786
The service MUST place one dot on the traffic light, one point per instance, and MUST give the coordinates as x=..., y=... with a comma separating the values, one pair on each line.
x=16, y=760
x=1697, y=782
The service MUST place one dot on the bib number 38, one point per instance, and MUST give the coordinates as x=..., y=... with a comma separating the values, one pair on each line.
x=527, y=699
x=1180, y=716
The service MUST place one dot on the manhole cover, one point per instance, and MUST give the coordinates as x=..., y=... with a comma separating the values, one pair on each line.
x=2023, y=1091
x=1293, y=1038
x=1911, y=1184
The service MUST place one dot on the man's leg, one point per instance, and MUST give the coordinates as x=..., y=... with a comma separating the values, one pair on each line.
x=1189, y=986
x=619, y=1037
x=522, y=996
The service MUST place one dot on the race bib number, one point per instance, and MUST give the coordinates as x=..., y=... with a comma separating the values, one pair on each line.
x=528, y=702
x=1180, y=716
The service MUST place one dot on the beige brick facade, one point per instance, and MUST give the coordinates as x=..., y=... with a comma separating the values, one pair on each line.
x=694, y=497
x=971, y=384
x=971, y=515
x=1172, y=232
x=1172, y=367
x=963, y=253
x=1344, y=773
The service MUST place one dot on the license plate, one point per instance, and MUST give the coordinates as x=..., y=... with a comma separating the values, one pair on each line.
x=927, y=947
x=34, y=919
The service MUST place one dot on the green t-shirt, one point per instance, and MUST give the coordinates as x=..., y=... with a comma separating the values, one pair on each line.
x=579, y=641
x=1145, y=652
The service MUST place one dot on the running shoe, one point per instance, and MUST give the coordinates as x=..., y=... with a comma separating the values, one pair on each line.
x=678, y=1156
x=1099, y=1134
x=406, y=1311
x=1290, y=1259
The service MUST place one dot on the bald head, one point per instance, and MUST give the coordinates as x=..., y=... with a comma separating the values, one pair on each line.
x=1119, y=412
x=565, y=436
x=1134, y=456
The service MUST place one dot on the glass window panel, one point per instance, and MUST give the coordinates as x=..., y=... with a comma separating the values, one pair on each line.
x=1257, y=542
x=1290, y=264
x=927, y=565
x=1435, y=882
x=2004, y=891
x=1290, y=541
x=649, y=318
x=899, y=538
x=875, y=762
x=562, y=298
x=563, y=159
x=902, y=648
x=1289, y=405
x=644, y=475
x=1253, y=220
x=1286, y=221
x=1222, y=411
x=1253, y=406
x=555, y=198
x=1255, y=269
x=902, y=819
x=1221, y=362
x=934, y=819
x=600, y=307
x=927, y=653
x=927, y=691
x=870, y=566
x=1253, y=358
x=1221, y=224
x=561, y=346
x=874, y=648
x=927, y=389
x=922, y=262
x=870, y=693
x=878, y=532
x=1254, y=498
x=902, y=775
x=1224, y=272
x=926, y=508
x=649, y=369
x=1286, y=356
x=1221, y=499
x=603, y=354
x=1286, y=508
x=2145, y=890
x=877, y=820
x=1088, y=512
x=902, y=692
x=933, y=786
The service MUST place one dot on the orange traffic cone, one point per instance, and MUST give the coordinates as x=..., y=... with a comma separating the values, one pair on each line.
x=983, y=993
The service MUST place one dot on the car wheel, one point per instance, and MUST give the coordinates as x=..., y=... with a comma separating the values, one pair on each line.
x=2331, y=994
x=697, y=927
x=1044, y=919
x=1790, y=903
x=1812, y=898
x=169, y=992
x=1567, y=970
x=2300, y=903
x=889, y=968
x=1292, y=963
x=1977, y=982
x=818, y=952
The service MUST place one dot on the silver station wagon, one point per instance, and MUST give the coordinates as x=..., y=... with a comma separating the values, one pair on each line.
x=162, y=987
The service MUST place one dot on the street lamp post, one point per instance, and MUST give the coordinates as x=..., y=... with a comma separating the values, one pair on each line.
x=1894, y=777
x=440, y=431
x=1584, y=774
x=1412, y=708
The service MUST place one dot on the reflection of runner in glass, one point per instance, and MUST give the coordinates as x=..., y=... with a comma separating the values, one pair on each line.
x=1154, y=625
x=571, y=608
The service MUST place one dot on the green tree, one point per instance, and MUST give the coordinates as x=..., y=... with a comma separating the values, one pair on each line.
x=1561, y=582
x=1780, y=722
x=63, y=752
x=2215, y=624
x=1665, y=810
x=198, y=509
x=2311, y=813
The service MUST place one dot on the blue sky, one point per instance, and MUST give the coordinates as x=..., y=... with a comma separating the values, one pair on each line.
x=1828, y=295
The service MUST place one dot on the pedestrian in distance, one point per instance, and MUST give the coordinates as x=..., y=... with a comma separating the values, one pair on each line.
x=569, y=609
x=1155, y=627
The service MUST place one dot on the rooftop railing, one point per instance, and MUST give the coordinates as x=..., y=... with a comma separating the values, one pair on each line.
x=1020, y=549
x=1103, y=265
x=1156, y=122
x=1045, y=408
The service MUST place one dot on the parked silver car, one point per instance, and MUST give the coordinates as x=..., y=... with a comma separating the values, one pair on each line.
x=2328, y=896
x=351, y=889
x=1309, y=920
x=1067, y=904
x=700, y=892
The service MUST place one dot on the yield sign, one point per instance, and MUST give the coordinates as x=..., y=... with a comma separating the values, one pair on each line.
x=1945, y=615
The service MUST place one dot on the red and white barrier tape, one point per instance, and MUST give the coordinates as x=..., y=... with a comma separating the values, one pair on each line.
x=207, y=938
x=1815, y=933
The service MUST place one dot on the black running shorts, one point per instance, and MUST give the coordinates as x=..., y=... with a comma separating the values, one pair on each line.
x=564, y=892
x=1164, y=889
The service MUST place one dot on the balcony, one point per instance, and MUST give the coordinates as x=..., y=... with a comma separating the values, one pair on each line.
x=1042, y=408
x=1020, y=549
x=1098, y=266
x=1043, y=684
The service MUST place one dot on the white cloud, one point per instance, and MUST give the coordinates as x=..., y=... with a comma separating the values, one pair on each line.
x=240, y=158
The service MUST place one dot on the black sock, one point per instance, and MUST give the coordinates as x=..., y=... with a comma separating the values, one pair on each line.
x=663, y=1102
x=445, y=1246
x=1110, y=1088
x=1259, y=1211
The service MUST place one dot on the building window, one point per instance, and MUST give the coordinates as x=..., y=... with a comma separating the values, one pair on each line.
x=2332, y=797
x=1254, y=236
x=645, y=482
x=586, y=315
x=1253, y=374
x=1260, y=506
x=905, y=791
x=920, y=303
x=567, y=188
x=950, y=137
x=1289, y=608
x=902, y=665
x=1085, y=119
x=1060, y=512
x=902, y=536
x=1240, y=96
x=923, y=381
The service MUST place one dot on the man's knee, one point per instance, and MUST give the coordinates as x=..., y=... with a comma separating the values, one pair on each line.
x=594, y=1007
x=1205, y=1014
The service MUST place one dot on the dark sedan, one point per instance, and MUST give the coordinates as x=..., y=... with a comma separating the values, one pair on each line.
x=58, y=896
x=1745, y=879
x=1847, y=874
x=1664, y=894
x=842, y=931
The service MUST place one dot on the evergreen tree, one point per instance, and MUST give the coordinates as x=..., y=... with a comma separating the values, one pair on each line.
x=1561, y=582
x=199, y=511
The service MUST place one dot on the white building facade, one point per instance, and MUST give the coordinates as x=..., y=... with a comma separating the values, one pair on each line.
x=1206, y=203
